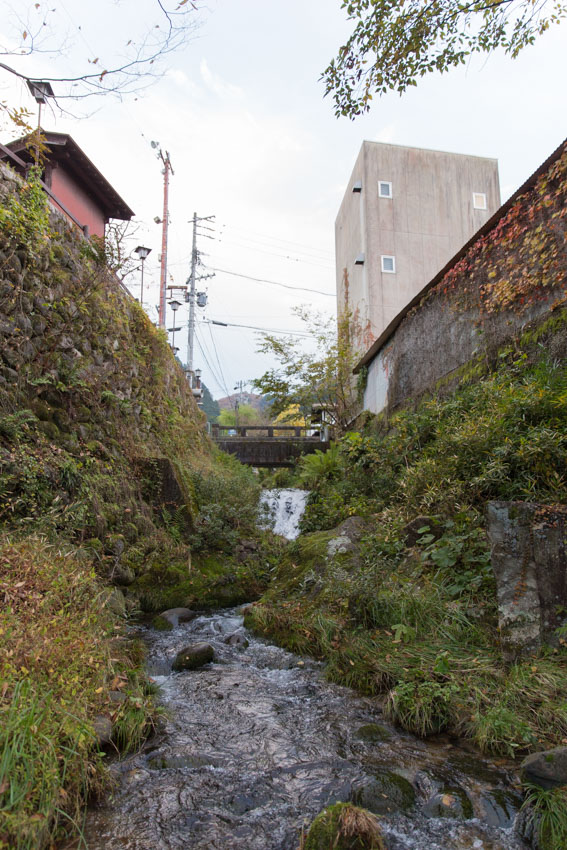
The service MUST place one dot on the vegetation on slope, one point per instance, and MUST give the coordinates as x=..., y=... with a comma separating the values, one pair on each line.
x=410, y=612
x=107, y=479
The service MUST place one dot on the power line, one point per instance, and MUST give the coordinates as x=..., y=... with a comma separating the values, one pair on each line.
x=257, y=250
x=277, y=283
x=212, y=371
x=218, y=359
x=277, y=239
x=256, y=328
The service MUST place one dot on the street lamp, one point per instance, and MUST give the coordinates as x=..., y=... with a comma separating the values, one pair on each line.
x=175, y=305
x=142, y=254
x=40, y=91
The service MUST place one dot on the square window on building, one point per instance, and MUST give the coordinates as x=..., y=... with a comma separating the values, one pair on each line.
x=388, y=264
x=384, y=189
x=479, y=200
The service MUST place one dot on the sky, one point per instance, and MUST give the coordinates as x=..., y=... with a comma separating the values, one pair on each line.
x=254, y=144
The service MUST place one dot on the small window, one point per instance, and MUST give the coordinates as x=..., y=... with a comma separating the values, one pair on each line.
x=388, y=264
x=384, y=189
x=479, y=200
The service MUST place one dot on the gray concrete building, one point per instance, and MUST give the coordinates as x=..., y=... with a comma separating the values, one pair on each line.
x=405, y=213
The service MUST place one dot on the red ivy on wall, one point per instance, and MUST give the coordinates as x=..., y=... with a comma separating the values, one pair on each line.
x=521, y=258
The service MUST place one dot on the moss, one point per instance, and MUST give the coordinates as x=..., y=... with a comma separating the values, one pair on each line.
x=386, y=793
x=374, y=733
x=344, y=827
x=162, y=624
x=49, y=430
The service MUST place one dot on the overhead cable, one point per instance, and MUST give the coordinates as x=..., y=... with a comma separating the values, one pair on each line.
x=277, y=283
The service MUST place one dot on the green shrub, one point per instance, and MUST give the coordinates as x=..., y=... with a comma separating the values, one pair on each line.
x=227, y=497
x=546, y=816
x=423, y=708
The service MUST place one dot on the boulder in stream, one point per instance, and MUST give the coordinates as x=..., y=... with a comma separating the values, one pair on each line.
x=387, y=792
x=237, y=639
x=193, y=656
x=171, y=618
x=547, y=768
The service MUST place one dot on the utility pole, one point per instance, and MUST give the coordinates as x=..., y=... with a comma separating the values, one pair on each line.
x=192, y=296
x=238, y=403
x=167, y=167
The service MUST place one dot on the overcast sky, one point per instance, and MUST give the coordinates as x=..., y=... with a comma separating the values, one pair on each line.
x=254, y=143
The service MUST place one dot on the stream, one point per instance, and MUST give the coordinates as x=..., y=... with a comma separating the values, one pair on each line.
x=256, y=743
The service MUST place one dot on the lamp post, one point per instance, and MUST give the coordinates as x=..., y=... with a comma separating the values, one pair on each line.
x=40, y=90
x=175, y=305
x=142, y=254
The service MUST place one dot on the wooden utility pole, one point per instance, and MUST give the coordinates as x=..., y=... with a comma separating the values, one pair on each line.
x=191, y=297
x=164, y=227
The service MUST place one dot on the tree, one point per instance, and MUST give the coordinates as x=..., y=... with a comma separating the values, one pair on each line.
x=136, y=63
x=319, y=373
x=246, y=416
x=211, y=407
x=395, y=42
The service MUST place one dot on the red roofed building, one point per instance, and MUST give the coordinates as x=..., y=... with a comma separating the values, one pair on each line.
x=74, y=185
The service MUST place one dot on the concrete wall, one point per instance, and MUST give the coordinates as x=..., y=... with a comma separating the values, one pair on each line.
x=510, y=276
x=428, y=218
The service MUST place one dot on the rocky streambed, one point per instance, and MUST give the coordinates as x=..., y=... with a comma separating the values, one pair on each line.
x=255, y=744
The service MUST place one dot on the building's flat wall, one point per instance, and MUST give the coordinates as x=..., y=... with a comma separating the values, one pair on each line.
x=510, y=276
x=428, y=218
x=72, y=196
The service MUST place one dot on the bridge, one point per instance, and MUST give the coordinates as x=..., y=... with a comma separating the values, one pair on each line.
x=269, y=445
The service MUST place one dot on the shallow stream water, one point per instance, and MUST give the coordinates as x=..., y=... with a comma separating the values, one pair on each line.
x=257, y=743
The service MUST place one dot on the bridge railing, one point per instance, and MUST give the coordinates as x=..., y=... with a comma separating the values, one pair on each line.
x=271, y=432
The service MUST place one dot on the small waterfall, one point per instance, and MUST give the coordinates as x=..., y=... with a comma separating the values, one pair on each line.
x=281, y=510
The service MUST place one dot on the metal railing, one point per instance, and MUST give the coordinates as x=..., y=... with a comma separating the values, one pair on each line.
x=271, y=432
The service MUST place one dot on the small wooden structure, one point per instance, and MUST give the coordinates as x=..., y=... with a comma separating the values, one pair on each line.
x=269, y=445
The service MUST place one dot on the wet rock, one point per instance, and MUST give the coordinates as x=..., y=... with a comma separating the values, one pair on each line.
x=419, y=526
x=385, y=793
x=374, y=733
x=237, y=639
x=178, y=615
x=175, y=761
x=193, y=656
x=102, y=727
x=547, y=769
x=450, y=803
